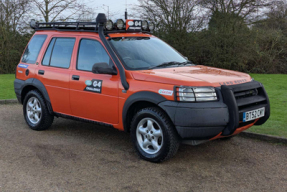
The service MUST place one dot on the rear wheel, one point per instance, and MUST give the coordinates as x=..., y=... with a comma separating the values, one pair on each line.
x=36, y=112
x=153, y=135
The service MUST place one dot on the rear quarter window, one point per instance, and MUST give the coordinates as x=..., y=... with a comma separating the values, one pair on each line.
x=32, y=50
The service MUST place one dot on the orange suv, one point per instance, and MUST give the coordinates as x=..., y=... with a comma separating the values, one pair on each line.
x=119, y=75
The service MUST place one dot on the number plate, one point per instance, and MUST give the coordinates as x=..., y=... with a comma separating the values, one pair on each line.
x=254, y=114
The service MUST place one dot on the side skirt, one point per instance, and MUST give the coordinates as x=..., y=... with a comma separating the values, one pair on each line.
x=82, y=120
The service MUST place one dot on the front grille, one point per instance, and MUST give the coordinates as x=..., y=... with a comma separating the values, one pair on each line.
x=244, y=94
x=249, y=99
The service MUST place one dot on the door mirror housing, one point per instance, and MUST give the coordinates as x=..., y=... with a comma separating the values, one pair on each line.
x=104, y=68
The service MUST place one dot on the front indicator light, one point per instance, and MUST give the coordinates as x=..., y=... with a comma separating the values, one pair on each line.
x=196, y=94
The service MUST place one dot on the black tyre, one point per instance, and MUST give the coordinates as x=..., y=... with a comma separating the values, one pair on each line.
x=153, y=135
x=35, y=111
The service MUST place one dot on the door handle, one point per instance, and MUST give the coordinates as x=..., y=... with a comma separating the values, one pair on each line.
x=76, y=77
x=41, y=72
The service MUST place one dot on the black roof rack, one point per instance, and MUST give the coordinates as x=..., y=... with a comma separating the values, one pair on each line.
x=74, y=26
x=65, y=26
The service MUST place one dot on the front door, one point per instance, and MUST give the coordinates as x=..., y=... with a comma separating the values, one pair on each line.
x=93, y=96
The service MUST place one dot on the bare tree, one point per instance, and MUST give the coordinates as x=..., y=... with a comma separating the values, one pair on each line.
x=277, y=16
x=181, y=15
x=12, y=13
x=246, y=9
x=51, y=10
x=12, y=40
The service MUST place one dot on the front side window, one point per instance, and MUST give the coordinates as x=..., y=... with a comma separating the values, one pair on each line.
x=59, y=52
x=32, y=50
x=145, y=52
x=90, y=53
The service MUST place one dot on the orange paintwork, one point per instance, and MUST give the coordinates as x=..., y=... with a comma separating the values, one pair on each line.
x=67, y=96
x=237, y=131
x=192, y=76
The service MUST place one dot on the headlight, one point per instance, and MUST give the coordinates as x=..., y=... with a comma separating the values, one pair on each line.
x=196, y=94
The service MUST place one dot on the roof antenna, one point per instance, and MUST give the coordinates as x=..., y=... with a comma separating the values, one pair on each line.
x=126, y=12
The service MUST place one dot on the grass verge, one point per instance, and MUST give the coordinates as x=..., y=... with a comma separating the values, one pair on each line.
x=276, y=87
x=7, y=86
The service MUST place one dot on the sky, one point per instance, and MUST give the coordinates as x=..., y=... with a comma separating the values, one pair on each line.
x=116, y=7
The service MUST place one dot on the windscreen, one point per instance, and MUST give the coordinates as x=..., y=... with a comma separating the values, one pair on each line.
x=145, y=52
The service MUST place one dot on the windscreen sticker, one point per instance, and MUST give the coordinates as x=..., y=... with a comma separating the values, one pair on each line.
x=23, y=66
x=165, y=92
x=94, y=86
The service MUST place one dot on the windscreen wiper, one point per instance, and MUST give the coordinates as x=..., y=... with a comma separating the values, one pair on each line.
x=165, y=64
x=186, y=63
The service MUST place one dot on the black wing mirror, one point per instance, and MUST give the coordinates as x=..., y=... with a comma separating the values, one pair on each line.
x=104, y=68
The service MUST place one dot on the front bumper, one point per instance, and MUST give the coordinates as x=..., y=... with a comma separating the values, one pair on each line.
x=199, y=121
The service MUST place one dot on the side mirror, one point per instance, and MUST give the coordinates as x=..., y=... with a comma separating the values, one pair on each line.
x=104, y=68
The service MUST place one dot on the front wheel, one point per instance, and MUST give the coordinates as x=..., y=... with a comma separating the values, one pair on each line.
x=153, y=135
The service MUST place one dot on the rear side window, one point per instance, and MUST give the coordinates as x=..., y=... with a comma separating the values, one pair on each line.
x=59, y=52
x=91, y=52
x=32, y=50
x=46, y=60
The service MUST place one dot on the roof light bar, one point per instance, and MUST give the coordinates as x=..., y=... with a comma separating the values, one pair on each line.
x=120, y=24
x=145, y=25
x=109, y=25
x=151, y=26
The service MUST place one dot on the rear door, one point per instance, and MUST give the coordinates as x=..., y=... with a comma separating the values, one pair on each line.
x=54, y=71
x=93, y=96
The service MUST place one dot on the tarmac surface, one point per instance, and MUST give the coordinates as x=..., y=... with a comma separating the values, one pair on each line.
x=76, y=156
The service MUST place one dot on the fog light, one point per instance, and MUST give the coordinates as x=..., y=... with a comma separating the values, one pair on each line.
x=145, y=25
x=109, y=25
x=120, y=24
x=151, y=26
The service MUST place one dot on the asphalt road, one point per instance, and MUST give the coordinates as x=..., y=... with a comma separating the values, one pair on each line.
x=76, y=156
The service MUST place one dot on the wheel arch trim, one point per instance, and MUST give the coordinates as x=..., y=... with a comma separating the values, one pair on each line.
x=144, y=96
x=20, y=85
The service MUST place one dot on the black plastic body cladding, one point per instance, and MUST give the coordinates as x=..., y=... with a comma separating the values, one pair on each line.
x=145, y=96
x=197, y=120
x=19, y=86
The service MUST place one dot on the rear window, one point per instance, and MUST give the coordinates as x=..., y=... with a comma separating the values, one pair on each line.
x=32, y=50
x=59, y=52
